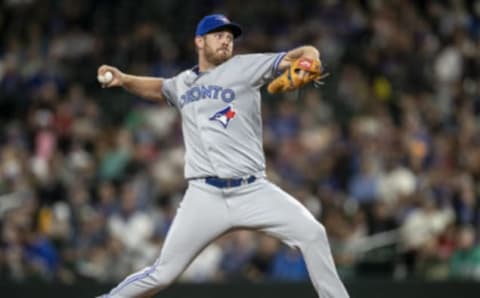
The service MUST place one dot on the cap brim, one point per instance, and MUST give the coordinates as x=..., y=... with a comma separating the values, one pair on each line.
x=232, y=27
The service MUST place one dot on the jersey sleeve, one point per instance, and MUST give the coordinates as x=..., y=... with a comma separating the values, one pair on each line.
x=258, y=69
x=169, y=90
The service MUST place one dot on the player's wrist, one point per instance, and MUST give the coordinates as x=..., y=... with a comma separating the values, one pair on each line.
x=125, y=80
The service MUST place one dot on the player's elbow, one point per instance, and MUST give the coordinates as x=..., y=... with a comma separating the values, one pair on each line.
x=156, y=97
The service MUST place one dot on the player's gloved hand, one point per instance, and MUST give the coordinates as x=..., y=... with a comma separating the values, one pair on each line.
x=301, y=72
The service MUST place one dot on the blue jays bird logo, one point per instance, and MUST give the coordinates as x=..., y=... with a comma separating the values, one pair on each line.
x=224, y=116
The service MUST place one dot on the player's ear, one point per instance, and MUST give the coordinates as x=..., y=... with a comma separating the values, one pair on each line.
x=199, y=42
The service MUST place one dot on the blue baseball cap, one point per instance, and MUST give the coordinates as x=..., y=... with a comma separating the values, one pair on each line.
x=215, y=22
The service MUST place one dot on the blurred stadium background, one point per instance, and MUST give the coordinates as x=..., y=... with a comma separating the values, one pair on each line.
x=386, y=155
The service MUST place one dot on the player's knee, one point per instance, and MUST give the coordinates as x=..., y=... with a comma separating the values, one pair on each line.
x=314, y=231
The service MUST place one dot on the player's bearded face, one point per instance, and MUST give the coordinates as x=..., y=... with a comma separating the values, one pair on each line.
x=218, y=47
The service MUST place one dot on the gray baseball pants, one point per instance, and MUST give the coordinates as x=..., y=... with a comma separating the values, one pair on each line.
x=206, y=212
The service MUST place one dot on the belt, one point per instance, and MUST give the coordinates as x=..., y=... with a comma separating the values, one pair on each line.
x=229, y=182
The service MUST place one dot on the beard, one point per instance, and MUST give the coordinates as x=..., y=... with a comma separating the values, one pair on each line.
x=218, y=56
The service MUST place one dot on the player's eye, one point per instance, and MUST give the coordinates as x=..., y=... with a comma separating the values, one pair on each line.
x=221, y=35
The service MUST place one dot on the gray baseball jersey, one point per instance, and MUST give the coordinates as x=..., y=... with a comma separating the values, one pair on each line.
x=221, y=115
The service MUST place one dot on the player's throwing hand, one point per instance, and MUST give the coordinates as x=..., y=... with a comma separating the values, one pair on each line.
x=109, y=76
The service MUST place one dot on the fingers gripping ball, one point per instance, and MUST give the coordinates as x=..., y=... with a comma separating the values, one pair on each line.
x=301, y=72
x=105, y=78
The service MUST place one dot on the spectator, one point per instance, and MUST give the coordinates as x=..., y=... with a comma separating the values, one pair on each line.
x=288, y=265
x=465, y=261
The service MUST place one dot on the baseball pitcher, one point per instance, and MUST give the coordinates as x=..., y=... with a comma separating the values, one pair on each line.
x=219, y=102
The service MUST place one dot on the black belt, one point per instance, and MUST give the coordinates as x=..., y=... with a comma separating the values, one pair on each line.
x=229, y=182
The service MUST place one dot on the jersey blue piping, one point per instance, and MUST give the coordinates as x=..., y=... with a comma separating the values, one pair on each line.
x=133, y=279
x=277, y=62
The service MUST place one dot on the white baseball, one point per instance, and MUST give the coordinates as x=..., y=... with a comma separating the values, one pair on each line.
x=105, y=78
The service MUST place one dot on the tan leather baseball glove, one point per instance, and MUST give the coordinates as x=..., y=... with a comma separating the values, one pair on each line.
x=301, y=72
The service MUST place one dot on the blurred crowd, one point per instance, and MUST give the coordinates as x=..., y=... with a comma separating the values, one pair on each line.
x=386, y=155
